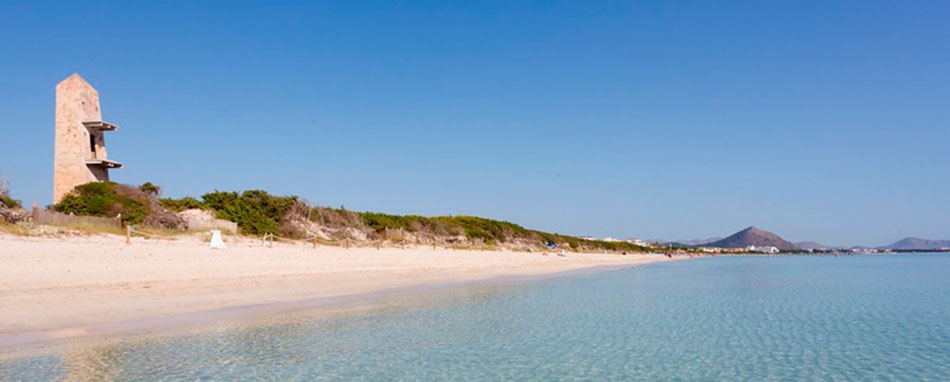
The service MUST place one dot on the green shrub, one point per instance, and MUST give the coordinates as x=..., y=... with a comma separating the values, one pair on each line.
x=471, y=226
x=106, y=199
x=150, y=189
x=489, y=230
x=178, y=205
x=256, y=212
x=380, y=222
x=5, y=194
x=10, y=202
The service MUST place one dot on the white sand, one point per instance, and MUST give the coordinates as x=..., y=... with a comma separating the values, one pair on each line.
x=63, y=286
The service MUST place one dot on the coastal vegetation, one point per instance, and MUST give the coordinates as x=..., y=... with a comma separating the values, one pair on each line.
x=9, y=202
x=470, y=226
x=134, y=205
x=258, y=212
x=179, y=205
x=5, y=199
x=106, y=199
x=13, y=229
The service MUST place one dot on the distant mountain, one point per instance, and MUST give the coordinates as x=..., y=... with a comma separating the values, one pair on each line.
x=917, y=243
x=812, y=245
x=694, y=242
x=752, y=236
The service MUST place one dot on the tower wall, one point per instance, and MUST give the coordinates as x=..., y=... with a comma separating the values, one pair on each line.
x=76, y=102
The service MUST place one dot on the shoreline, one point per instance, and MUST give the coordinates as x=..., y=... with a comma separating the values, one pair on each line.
x=60, y=289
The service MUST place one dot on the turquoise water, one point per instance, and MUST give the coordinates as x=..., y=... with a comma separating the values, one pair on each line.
x=876, y=318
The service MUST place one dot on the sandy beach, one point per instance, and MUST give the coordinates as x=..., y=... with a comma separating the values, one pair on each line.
x=66, y=287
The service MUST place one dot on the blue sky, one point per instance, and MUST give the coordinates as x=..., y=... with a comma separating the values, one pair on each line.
x=824, y=121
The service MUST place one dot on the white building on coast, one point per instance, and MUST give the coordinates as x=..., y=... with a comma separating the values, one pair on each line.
x=766, y=249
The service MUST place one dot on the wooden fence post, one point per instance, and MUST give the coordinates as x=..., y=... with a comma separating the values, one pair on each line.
x=35, y=212
x=128, y=235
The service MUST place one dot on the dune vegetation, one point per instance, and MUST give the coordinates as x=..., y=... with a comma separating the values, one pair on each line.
x=258, y=212
x=5, y=200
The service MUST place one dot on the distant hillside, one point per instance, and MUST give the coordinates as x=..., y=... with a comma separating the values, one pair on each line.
x=917, y=243
x=812, y=245
x=753, y=236
x=696, y=242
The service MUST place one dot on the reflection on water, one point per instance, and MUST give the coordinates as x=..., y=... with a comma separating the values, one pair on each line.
x=852, y=318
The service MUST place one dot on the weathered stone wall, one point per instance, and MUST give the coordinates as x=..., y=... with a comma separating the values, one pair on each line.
x=76, y=102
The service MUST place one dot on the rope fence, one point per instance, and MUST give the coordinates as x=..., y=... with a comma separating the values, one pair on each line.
x=131, y=231
x=269, y=238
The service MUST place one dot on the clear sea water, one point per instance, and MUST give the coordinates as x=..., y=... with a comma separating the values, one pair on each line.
x=852, y=318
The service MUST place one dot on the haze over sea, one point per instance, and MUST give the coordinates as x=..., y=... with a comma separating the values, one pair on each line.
x=850, y=318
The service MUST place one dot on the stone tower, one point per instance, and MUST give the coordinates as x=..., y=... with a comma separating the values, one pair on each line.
x=80, y=152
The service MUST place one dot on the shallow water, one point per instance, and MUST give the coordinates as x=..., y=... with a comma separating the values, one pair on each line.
x=868, y=318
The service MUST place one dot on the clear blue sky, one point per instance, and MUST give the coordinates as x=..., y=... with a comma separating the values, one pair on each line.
x=825, y=121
